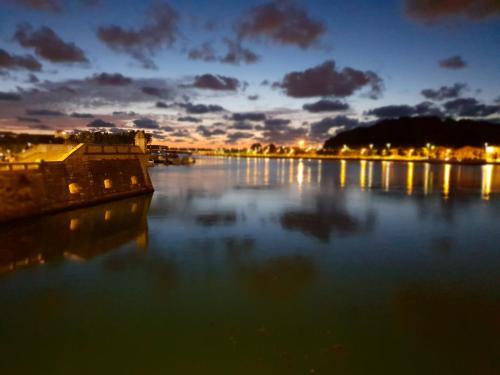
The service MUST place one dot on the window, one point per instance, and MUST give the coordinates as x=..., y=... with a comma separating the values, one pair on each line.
x=74, y=188
x=134, y=180
x=108, y=184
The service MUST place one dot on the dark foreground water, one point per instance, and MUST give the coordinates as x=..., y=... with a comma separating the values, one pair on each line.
x=253, y=266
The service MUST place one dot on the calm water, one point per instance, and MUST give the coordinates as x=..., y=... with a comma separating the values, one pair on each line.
x=253, y=266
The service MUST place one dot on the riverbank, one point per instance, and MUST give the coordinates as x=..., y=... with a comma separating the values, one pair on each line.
x=402, y=159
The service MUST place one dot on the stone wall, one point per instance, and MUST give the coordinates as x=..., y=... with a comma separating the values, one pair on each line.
x=85, y=178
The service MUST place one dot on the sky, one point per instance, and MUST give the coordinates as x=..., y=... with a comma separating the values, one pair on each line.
x=231, y=73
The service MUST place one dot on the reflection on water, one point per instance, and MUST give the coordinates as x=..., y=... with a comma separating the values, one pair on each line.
x=268, y=266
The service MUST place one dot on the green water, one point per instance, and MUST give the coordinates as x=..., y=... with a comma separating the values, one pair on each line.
x=254, y=266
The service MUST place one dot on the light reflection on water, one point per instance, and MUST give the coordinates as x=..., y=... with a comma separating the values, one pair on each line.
x=263, y=266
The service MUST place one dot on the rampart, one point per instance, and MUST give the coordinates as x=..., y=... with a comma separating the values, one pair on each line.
x=50, y=180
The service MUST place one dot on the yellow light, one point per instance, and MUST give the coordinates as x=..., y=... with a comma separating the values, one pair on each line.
x=342, y=173
x=446, y=180
x=409, y=179
x=301, y=143
x=487, y=178
x=362, y=174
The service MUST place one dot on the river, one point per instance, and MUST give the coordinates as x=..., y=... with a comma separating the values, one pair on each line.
x=258, y=266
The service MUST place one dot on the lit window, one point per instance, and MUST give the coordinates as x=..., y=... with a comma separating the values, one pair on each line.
x=108, y=184
x=74, y=188
x=134, y=180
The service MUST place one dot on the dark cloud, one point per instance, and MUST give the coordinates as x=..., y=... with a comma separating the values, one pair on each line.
x=181, y=133
x=265, y=82
x=28, y=62
x=326, y=80
x=124, y=114
x=40, y=127
x=238, y=136
x=43, y=112
x=142, y=43
x=48, y=45
x=326, y=105
x=445, y=92
x=189, y=119
x=32, y=78
x=98, y=123
x=237, y=54
x=283, y=134
x=320, y=130
x=249, y=116
x=216, y=82
x=146, y=123
x=253, y=97
x=53, y=6
x=201, y=108
x=282, y=22
x=470, y=107
x=161, y=105
x=167, y=129
x=242, y=125
x=453, y=62
x=28, y=119
x=276, y=124
x=81, y=115
x=395, y=111
x=10, y=96
x=207, y=132
x=205, y=52
x=155, y=91
x=115, y=79
x=432, y=11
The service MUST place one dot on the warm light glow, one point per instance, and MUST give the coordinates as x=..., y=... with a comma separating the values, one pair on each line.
x=386, y=174
x=342, y=173
x=300, y=173
x=409, y=178
x=302, y=143
x=446, y=180
x=362, y=174
x=486, y=181
x=370, y=174
x=427, y=179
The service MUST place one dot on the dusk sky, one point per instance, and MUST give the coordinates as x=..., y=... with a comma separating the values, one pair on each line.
x=212, y=73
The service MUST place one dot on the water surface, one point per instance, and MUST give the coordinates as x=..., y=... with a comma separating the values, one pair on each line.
x=257, y=266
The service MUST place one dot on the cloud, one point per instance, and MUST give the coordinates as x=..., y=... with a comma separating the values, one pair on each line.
x=189, y=119
x=237, y=54
x=325, y=105
x=81, y=115
x=40, y=127
x=453, y=62
x=53, y=6
x=249, y=116
x=282, y=22
x=12, y=62
x=204, y=52
x=10, y=96
x=284, y=134
x=395, y=111
x=445, y=92
x=155, y=91
x=326, y=80
x=216, y=82
x=28, y=119
x=98, y=123
x=470, y=107
x=142, y=43
x=161, y=105
x=432, y=11
x=48, y=45
x=242, y=125
x=253, y=97
x=201, y=108
x=146, y=123
x=276, y=124
x=320, y=130
x=206, y=132
x=44, y=112
x=238, y=136
x=116, y=79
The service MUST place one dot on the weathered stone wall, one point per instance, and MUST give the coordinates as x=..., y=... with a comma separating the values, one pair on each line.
x=95, y=178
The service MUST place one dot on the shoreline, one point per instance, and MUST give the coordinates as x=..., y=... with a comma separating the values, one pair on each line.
x=351, y=158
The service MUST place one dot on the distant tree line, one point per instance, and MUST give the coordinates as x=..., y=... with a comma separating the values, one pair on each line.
x=417, y=132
